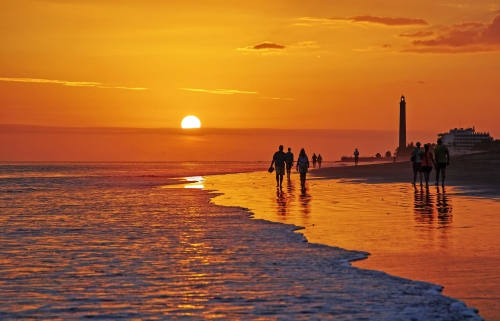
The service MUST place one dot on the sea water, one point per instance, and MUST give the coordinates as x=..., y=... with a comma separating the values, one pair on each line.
x=121, y=241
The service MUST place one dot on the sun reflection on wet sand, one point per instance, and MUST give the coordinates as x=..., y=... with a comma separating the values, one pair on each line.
x=432, y=235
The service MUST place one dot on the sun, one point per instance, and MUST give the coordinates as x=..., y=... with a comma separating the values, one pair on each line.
x=190, y=122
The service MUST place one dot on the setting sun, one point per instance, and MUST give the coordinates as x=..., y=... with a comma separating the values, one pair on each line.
x=190, y=122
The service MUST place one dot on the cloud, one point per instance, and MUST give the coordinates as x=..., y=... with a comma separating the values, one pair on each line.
x=418, y=34
x=311, y=21
x=120, y=87
x=373, y=48
x=414, y=82
x=454, y=5
x=305, y=45
x=387, y=21
x=219, y=91
x=265, y=46
x=269, y=47
x=277, y=98
x=493, y=7
x=67, y=83
x=461, y=38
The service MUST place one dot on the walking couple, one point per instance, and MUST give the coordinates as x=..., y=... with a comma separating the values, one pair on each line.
x=423, y=160
x=282, y=160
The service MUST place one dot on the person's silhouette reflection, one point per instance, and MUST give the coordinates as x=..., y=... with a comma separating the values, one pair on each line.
x=444, y=209
x=423, y=207
x=281, y=202
x=427, y=206
x=305, y=200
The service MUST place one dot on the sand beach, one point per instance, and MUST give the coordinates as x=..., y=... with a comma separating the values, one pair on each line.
x=448, y=238
x=475, y=174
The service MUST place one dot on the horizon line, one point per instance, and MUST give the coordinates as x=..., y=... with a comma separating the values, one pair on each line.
x=193, y=129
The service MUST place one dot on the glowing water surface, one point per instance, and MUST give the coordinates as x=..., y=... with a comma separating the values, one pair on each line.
x=435, y=236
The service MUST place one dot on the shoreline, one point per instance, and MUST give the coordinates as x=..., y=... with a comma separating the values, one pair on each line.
x=426, y=296
x=474, y=174
x=244, y=197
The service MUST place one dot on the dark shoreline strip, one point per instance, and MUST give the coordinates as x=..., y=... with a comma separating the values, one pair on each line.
x=476, y=174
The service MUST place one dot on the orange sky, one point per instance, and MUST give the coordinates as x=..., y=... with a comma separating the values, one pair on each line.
x=250, y=64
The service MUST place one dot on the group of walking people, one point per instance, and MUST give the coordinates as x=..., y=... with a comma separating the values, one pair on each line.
x=284, y=162
x=424, y=160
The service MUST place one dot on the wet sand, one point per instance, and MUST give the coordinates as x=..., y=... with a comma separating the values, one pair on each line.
x=476, y=174
x=444, y=238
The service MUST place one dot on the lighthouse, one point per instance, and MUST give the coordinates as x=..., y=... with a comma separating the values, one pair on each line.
x=402, y=123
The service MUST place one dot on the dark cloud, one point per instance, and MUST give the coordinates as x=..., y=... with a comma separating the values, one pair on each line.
x=265, y=46
x=386, y=46
x=388, y=21
x=461, y=38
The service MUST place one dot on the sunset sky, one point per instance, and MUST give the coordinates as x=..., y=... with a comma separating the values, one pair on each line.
x=250, y=64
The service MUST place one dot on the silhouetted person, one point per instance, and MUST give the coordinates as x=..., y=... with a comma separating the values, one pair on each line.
x=356, y=156
x=442, y=157
x=427, y=162
x=289, y=162
x=302, y=167
x=279, y=162
x=320, y=160
x=314, y=159
x=416, y=158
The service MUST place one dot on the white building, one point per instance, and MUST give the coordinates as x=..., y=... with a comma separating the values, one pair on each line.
x=460, y=140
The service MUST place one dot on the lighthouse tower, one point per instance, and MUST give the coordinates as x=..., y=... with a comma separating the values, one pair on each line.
x=402, y=123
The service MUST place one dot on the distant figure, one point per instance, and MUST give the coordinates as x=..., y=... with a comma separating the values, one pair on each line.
x=426, y=164
x=279, y=162
x=320, y=160
x=442, y=157
x=289, y=162
x=302, y=166
x=416, y=158
x=314, y=159
x=356, y=156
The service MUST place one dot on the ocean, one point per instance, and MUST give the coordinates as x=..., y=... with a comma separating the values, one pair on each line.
x=128, y=241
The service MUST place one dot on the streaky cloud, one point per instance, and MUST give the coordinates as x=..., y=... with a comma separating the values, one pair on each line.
x=51, y=81
x=418, y=34
x=467, y=37
x=66, y=83
x=373, y=48
x=454, y=5
x=127, y=88
x=277, y=98
x=219, y=91
x=387, y=21
x=305, y=45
